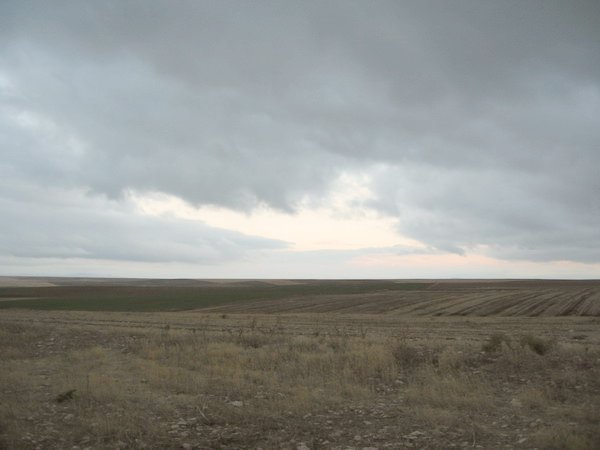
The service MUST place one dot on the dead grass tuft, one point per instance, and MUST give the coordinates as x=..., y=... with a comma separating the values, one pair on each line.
x=449, y=391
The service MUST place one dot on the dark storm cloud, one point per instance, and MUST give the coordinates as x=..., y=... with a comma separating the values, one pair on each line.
x=537, y=216
x=478, y=120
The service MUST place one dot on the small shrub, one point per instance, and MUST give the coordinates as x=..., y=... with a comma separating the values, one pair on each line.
x=407, y=356
x=536, y=344
x=495, y=342
x=68, y=395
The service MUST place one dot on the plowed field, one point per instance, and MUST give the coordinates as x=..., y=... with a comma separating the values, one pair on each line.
x=528, y=298
x=443, y=300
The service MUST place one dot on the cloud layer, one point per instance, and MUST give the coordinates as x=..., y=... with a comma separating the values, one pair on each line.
x=475, y=122
x=57, y=223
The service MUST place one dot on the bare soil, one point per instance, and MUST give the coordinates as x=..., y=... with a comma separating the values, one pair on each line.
x=529, y=298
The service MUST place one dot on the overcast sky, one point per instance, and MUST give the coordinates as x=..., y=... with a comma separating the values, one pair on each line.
x=341, y=139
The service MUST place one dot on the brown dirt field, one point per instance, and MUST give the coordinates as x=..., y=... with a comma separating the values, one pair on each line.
x=447, y=298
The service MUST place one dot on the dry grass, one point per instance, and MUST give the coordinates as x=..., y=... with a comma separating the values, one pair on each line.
x=279, y=383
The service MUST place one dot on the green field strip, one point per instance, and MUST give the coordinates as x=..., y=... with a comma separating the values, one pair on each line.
x=165, y=298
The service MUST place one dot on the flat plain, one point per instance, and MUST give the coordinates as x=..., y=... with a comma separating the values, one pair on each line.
x=102, y=363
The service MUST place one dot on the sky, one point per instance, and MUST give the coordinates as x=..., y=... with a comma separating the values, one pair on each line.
x=300, y=139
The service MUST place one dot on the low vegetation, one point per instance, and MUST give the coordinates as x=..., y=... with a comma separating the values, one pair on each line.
x=214, y=381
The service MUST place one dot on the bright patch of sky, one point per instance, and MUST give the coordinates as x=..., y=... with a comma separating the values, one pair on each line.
x=341, y=221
